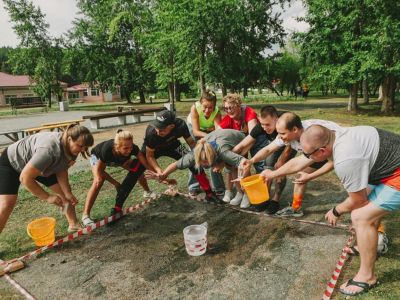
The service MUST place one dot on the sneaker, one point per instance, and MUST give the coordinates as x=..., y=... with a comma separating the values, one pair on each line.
x=237, y=199
x=259, y=207
x=212, y=197
x=227, y=196
x=86, y=221
x=273, y=207
x=150, y=195
x=382, y=243
x=289, y=212
x=245, y=202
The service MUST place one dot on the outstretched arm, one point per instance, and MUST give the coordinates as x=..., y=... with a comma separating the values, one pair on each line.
x=244, y=146
x=305, y=177
x=292, y=166
x=152, y=160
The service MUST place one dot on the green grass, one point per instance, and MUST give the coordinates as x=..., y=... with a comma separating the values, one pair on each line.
x=15, y=242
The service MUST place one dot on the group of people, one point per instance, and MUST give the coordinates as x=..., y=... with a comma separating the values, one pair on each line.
x=366, y=159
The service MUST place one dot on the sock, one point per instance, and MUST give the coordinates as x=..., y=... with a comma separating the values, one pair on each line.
x=381, y=228
x=297, y=201
x=117, y=209
x=204, y=183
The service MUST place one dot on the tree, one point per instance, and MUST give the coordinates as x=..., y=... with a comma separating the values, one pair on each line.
x=38, y=55
x=5, y=53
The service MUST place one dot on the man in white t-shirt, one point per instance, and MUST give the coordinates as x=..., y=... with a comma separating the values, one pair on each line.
x=290, y=128
x=367, y=161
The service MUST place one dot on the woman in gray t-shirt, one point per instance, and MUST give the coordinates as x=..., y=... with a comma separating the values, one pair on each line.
x=43, y=157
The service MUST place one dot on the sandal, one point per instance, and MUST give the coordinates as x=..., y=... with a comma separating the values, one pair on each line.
x=365, y=287
x=353, y=251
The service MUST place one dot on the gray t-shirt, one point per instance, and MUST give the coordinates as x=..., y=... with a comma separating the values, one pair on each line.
x=355, y=152
x=43, y=150
x=223, y=141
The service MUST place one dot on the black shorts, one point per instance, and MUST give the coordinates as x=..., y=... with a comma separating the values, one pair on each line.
x=318, y=165
x=9, y=183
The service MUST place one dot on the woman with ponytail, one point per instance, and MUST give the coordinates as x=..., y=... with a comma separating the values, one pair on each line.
x=43, y=158
x=116, y=152
x=212, y=151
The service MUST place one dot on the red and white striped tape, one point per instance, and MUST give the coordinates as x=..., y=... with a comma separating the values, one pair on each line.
x=338, y=269
x=20, y=289
x=81, y=232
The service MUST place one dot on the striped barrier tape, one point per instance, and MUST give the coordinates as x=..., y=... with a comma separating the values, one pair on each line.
x=81, y=232
x=338, y=269
x=15, y=284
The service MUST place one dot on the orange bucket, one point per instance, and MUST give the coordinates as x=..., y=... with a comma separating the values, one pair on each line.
x=42, y=231
x=255, y=188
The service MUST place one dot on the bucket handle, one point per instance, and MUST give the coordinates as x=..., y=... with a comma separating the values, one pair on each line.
x=36, y=238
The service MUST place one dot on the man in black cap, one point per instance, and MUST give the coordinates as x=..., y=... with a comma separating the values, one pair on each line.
x=162, y=139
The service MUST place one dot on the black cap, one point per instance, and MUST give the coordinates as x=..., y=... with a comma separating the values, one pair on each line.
x=163, y=119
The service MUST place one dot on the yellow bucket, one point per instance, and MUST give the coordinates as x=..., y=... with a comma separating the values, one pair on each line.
x=255, y=188
x=42, y=231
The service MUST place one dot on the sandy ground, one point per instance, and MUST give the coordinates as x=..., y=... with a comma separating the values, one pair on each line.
x=142, y=256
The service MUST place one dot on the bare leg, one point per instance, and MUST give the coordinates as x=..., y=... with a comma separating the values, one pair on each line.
x=7, y=203
x=143, y=183
x=70, y=214
x=91, y=197
x=365, y=220
x=280, y=184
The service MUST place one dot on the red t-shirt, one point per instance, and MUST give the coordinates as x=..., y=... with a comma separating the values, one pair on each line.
x=242, y=125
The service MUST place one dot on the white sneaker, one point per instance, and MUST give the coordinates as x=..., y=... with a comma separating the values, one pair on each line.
x=150, y=195
x=227, y=196
x=86, y=221
x=237, y=199
x=245, y=202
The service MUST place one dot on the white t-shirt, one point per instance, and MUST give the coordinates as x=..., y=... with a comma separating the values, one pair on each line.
x=307, y=123
x=354, y=153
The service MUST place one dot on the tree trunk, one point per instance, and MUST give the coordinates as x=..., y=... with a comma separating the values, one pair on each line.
x=171, y=95
x=365, y=91
x=245, y=91
x=388, y=87
x=201, y=70
x=224, y=91
x=380, y=96
x=177, y=91
x=141, y=96
x=352, y=104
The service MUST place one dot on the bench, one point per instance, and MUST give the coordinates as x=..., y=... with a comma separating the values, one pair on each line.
x=121, y=116
x=13, y=135
x=27, y=102
x=60, y=126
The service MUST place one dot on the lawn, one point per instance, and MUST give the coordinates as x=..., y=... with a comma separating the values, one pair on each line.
x=15, y=242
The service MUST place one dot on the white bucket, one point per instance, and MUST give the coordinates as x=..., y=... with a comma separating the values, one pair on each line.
x=195, y=239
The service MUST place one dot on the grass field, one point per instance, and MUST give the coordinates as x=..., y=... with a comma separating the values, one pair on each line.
x=14, y=240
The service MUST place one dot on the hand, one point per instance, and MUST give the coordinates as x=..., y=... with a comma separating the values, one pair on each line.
x=218, y=168
x=245, y=164
x=55, y=199
x=170, y=181
x=126, y=164
x=267, y=175
x=301, y=178
x=330, y=217
x=71, y=199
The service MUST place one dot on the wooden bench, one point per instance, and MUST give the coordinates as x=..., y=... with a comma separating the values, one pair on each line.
x=59, y=126
x=13, y=135
x=121, y=116
x=32, y=102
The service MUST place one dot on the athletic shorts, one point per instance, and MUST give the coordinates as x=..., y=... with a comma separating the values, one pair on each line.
x=318, y=165
x=385, y=197
x=9, y=183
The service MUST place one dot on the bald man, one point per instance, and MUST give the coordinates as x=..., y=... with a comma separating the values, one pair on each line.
x=367, y=161
x=290, y=128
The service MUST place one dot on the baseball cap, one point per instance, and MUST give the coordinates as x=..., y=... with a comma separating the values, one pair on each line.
x=163, y=119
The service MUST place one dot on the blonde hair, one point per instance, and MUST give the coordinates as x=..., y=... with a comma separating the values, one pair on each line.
x=122, y=135
x=203, y=151
x=233, y=98
x=76, y=132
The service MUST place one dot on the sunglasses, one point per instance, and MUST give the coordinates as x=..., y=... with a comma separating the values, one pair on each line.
x=307, y=155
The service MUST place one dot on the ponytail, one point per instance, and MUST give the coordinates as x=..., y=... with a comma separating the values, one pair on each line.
x=203, y=151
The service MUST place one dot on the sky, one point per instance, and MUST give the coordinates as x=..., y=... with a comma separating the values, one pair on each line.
x=61, y=13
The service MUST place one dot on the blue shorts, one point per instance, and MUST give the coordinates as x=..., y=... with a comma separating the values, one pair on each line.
x=385, y=197
x=93, y=160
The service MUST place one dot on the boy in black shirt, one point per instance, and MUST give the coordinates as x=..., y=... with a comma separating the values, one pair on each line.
x=162, y=139
x=267, y=128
